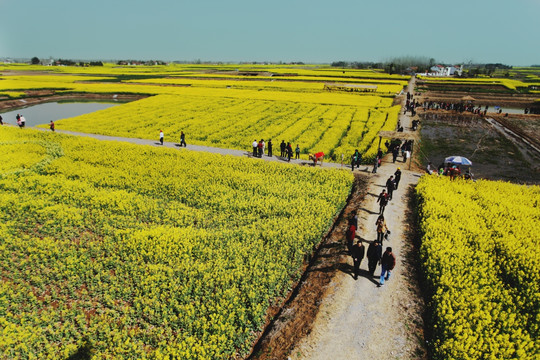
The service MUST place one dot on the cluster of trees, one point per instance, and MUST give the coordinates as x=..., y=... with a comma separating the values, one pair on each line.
x=35, y=61
x=473, y=70
x=358, y=65
x=399, y=65
x=417, y=64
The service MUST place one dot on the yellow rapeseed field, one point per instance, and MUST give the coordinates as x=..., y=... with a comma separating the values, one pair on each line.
x=140, y=252
x=480, y=253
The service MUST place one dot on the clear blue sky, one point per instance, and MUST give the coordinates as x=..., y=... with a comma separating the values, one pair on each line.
x=311, y=31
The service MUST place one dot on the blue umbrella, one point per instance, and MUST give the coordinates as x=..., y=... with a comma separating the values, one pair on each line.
x=458, y=160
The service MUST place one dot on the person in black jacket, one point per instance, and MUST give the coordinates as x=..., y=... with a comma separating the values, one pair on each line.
x=357, y=254
x=390, y=186
x=374, y=254
x=397, y=177
x=383, y=201
x=282, y=146
x=269, y=145
x=388, y=262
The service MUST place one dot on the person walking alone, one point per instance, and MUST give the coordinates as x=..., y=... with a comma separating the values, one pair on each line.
x=388, y=262
x=383, y=201
x=357, y=254
x=161, y=136
x=397, y=177
x=51, y=125
x=183, y=139
x=297, y=152
x=374, y=253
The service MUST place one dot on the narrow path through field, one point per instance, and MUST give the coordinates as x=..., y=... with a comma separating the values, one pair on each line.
x=190, y=147
x=357, y=319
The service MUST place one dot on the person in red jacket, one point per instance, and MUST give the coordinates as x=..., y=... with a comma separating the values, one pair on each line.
x=388, y=261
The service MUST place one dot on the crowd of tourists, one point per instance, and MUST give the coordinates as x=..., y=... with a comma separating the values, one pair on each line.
x=375, y=255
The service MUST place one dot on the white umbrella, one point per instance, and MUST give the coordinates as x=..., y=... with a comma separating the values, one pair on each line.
x=458, y=160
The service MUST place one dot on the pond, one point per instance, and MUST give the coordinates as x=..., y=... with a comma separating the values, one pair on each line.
x=44, y=113
x=507, y=110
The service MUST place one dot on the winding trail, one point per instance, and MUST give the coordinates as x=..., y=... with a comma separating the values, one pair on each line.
x=357, y=319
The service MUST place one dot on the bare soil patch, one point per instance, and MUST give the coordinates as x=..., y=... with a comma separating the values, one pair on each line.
x=494, y=156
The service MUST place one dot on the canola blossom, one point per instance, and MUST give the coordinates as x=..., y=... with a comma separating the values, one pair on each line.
x=480, y=253
x=143, y=252
x=221, y=107
x=235, y=123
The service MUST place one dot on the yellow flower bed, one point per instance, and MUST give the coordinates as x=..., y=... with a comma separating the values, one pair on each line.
x=481, y=255
x=140, y=252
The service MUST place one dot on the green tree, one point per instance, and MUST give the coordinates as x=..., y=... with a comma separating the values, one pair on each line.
x=35, y=60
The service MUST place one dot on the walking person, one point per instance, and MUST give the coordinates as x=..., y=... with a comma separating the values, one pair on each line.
x=381, y=228
x=161, y=136
x=375, y=165
x=374, y=254
x=183, y=139
x=388, y=262
x=352, y=225
x=1, y=122
x=255, y=146
x=51, y=125
x=397, y=177
x=395, y=153
x=357, y=253
x=263, y=147
x=283, y=147
x=383, y=201
x=297, y=152
x=356, y=159
x=390, y=186
x=270, y=148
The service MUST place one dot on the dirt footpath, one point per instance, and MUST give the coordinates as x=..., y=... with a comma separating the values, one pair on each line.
x=357, y=319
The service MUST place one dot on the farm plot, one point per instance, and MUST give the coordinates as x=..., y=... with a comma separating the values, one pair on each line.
x=126, y=251
x=480, y=252
x=235, y=122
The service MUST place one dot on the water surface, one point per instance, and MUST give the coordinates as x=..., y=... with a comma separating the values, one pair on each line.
x=44, y=113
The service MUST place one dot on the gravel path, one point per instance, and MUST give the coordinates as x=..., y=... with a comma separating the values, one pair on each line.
x=358, y=319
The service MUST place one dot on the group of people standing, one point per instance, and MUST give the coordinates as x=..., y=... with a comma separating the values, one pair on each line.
x=405, y=148
x=21, y=121
x=286, y=150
